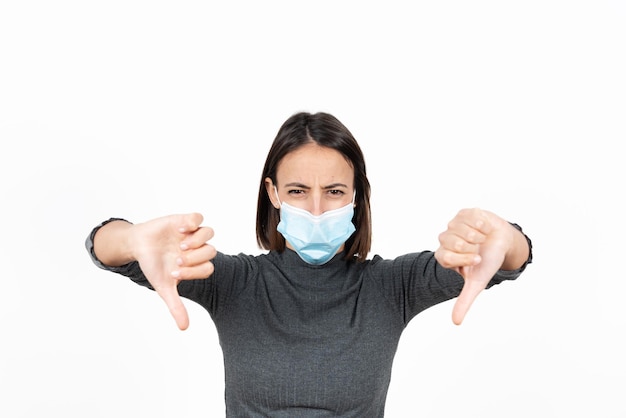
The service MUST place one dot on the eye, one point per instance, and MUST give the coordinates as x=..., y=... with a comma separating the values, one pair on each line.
x=295, y=192
x=336, y=192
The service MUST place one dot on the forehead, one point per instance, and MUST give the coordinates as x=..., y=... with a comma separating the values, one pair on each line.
x=312, y=163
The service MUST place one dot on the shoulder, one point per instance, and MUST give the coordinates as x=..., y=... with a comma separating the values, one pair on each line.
x=238, y=262
x=408, y=260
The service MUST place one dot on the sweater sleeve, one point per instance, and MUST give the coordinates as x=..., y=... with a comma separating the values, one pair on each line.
x=415, y=282
x=230, y=276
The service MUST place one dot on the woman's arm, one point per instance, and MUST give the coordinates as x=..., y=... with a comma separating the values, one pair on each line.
x=168, y=249
x=477, y=244
x=111, y=245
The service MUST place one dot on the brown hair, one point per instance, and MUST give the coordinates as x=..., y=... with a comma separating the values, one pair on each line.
x=325, y=130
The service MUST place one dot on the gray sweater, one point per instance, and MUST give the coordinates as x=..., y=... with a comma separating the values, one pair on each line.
x=312, y=341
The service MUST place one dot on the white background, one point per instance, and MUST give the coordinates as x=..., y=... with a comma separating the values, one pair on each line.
x=144, y=108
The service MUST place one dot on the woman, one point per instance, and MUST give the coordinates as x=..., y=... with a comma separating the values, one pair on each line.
x=310, y=328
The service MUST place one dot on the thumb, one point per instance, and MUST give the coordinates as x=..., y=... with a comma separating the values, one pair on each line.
x=175, y=304
x=464, y=301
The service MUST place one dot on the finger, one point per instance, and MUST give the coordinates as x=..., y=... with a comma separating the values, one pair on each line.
x=201, y=271
x=452, y=260
x=479, y=220
x=460, y=244
x=468, y=295
x=472, y=230
x=197, y=256
x=190, y=222
x=197, y=239
x=175, y=305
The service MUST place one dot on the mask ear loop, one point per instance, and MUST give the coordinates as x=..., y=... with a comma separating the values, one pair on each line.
x=277, y=198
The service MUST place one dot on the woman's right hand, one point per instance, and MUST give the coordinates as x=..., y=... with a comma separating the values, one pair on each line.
x=169, y=249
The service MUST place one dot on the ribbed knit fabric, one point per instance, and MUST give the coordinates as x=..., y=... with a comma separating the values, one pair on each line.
x=312, y=341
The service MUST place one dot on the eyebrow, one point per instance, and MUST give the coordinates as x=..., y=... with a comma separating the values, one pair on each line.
x=304, y=186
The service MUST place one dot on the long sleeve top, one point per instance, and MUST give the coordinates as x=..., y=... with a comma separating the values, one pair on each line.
x=300, y=340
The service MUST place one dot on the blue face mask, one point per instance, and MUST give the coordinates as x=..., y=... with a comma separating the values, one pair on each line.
x=316, y=239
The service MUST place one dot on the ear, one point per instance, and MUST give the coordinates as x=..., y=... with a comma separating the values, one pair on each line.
x=271, y=192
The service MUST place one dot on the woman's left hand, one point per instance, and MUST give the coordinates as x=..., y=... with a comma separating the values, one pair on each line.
x=477, y=244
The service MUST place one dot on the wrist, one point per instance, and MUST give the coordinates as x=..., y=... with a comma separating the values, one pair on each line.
x=112, y=242
x=519, y=253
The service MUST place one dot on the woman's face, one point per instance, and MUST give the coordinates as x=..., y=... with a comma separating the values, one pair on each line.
x=313, y=178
